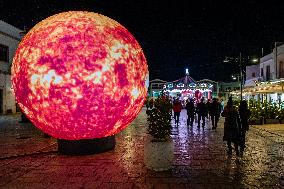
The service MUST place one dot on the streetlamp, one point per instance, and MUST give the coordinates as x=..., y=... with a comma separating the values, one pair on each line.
x=241, y=74
x=254, y=60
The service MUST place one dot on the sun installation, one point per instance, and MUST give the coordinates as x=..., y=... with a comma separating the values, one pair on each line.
x=80, y=75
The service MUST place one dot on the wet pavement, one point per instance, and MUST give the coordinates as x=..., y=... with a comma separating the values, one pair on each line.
x=30, y=160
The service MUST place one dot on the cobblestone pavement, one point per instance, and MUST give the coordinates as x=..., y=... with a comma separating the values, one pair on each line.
x=30, y=160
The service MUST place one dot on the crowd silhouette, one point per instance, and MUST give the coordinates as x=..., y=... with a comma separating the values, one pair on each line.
x=236, y=118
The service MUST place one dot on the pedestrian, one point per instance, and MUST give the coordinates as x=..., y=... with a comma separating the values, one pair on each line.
x=190, y=109
x=215, y=110
x=222, y=104
x=177, y=107
x=201, y=112
x=231, y=127
x=244, y=116
x=208, y=107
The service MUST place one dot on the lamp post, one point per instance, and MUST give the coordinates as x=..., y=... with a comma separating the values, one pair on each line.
x=239, y=61
x=241, y=74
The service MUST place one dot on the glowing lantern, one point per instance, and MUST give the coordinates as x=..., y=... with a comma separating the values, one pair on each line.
x=80, y=75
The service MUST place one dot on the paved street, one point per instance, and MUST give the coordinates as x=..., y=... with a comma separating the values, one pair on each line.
x=30, y=160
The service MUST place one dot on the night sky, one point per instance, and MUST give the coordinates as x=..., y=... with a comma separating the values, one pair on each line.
x=176, y=34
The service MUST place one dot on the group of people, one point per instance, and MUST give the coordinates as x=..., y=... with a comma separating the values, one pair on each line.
x=236, y=125
x=236, y=120
x=203, y=110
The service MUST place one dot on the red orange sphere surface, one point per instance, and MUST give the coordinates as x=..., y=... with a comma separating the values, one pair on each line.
x=80, y=75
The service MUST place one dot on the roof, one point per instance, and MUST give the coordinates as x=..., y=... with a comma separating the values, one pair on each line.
x=207, y=80
x=185, y=80
x=157, y=81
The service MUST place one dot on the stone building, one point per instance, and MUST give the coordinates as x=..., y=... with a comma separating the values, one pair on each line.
x=9, y=40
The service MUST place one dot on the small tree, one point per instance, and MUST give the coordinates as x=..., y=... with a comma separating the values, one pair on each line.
x=159, y=119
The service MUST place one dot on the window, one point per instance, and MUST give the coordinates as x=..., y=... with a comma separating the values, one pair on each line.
x=4, y=52
x=267, y=73
x=253, y=74
x=261, y=72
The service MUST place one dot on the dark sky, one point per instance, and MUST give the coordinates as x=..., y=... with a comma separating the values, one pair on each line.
x=176, y=34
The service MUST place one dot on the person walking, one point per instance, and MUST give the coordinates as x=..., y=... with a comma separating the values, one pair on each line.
x=244, y=116
x=222, y=104
x=201, y=112
x=190, y=109
x=208, y=107
x=177, y=107
x=231, y=127
x=215, y=110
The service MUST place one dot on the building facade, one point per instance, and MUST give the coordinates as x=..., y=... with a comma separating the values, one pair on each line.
x=9, y=41
x=265, y=81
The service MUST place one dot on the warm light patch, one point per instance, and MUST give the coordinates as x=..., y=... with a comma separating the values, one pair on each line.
x=80, y=75
x=135, y=93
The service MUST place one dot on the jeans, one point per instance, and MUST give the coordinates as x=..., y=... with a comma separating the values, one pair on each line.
x=176, y=117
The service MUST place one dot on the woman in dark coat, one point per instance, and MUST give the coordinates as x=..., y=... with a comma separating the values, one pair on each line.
x=244, y=116
x=231, y=127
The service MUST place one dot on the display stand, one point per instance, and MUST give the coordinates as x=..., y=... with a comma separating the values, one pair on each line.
x=86, y=146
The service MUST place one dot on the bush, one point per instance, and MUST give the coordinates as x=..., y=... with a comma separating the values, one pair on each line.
x=281, y=112
x=255, y=109
x=270, y=110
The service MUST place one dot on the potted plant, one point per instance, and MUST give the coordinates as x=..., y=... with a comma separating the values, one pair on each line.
x=158, y=150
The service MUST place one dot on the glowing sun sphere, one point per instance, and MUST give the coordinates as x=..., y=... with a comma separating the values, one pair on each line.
x=80, y=75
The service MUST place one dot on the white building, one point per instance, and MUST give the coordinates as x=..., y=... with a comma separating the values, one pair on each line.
x=9, y=40
x=265, y=81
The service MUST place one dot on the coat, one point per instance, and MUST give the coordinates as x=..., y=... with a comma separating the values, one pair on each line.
x=190, y=108
x=215, y=109
x=232, y=124
x=177, y=107
x=201, y=109
x=244, y=116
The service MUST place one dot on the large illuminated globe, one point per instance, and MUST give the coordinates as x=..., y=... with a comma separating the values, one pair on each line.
x=80, y=75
